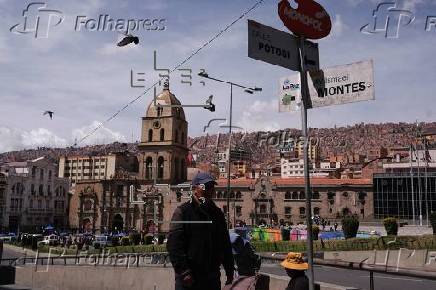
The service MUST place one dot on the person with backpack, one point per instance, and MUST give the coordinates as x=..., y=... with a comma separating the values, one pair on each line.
x=247, y=264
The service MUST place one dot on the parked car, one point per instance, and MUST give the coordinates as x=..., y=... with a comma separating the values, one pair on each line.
x=102, y=241
x=51, y=240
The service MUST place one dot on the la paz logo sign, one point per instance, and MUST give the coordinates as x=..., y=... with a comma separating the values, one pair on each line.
x=310, y=19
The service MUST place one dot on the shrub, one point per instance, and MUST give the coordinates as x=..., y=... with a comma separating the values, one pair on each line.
x=315, y=232
x=135, y=238
x=125, y=241
x=433, y=221
x=391, y=226
x=350, y=226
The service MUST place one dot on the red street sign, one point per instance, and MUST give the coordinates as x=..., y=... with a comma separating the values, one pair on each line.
x=309, y=20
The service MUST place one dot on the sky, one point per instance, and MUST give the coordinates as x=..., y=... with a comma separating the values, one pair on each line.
x=85, y=78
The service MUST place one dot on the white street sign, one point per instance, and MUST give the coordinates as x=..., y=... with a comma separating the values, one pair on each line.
x=279, y=48
x=331, y=86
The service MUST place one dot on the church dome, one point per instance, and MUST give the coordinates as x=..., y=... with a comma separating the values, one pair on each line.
x=165, y=98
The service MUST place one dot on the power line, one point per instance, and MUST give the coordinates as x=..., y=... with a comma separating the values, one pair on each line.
x=207, y=43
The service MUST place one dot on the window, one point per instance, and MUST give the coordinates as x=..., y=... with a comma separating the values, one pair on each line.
x=238, y=195
x=39, y=204
x=41, y=174
x=302, y=210
x=176, y=138
x=294, y=195
x=288, y=210
x=31, y=203
x=316, y=211
x=238, y=210
x=262, y=208
x=149, y=168
x=225, y=208
x=160, y=167
x=33, y=171
x=219, y=194
x=150, y=135
x=159, y=111
x=162, y=134
x=288, y=195
x=48, y=190
x=302, y=195
x=232, y=194
x=179, y=196
x=49, y=175
x=182, y=140
x=41, y=189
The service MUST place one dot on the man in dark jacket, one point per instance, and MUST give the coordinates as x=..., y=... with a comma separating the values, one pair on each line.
x=198, y=241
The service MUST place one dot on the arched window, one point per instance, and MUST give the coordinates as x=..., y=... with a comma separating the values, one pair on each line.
x=33, y=171
x=315, y=195
x=150, y=135
x=41, y=174
x=159, y=111
x=176, y=168
x=176, y=137
x=160, y=167
x=302, y=195
x=162, y=134
x=149, y=168
x=41, y=189
x=32, y=189
x=294, y=195
x=288, y=195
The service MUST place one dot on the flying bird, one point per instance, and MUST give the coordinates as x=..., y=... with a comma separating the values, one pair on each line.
x=209, y=105
x=128, y=38
x=49, y=113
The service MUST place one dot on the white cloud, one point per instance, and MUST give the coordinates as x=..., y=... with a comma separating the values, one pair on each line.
x=101, y=136
x=257, y=117
x=16, y=139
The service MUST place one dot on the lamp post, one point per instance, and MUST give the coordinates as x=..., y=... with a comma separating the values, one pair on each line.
x=248, y=90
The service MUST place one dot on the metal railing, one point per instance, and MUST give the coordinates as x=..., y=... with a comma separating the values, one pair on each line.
x=381, y=269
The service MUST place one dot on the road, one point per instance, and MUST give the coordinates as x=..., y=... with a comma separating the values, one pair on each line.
x=359, y=279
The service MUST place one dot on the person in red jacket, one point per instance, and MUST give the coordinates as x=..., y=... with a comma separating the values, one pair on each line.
x=198, y=241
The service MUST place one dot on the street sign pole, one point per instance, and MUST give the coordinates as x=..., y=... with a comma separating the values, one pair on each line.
x=306, y=104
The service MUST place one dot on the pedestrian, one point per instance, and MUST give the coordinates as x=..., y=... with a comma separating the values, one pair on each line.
x=197, y=250
x=295, y=266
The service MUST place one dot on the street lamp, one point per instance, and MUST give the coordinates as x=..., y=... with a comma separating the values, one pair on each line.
x=249, y=90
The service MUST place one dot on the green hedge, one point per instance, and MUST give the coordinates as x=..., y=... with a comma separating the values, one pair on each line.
x=354, y=244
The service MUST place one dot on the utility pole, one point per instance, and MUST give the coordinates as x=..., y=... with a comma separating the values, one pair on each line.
x=306, y=102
